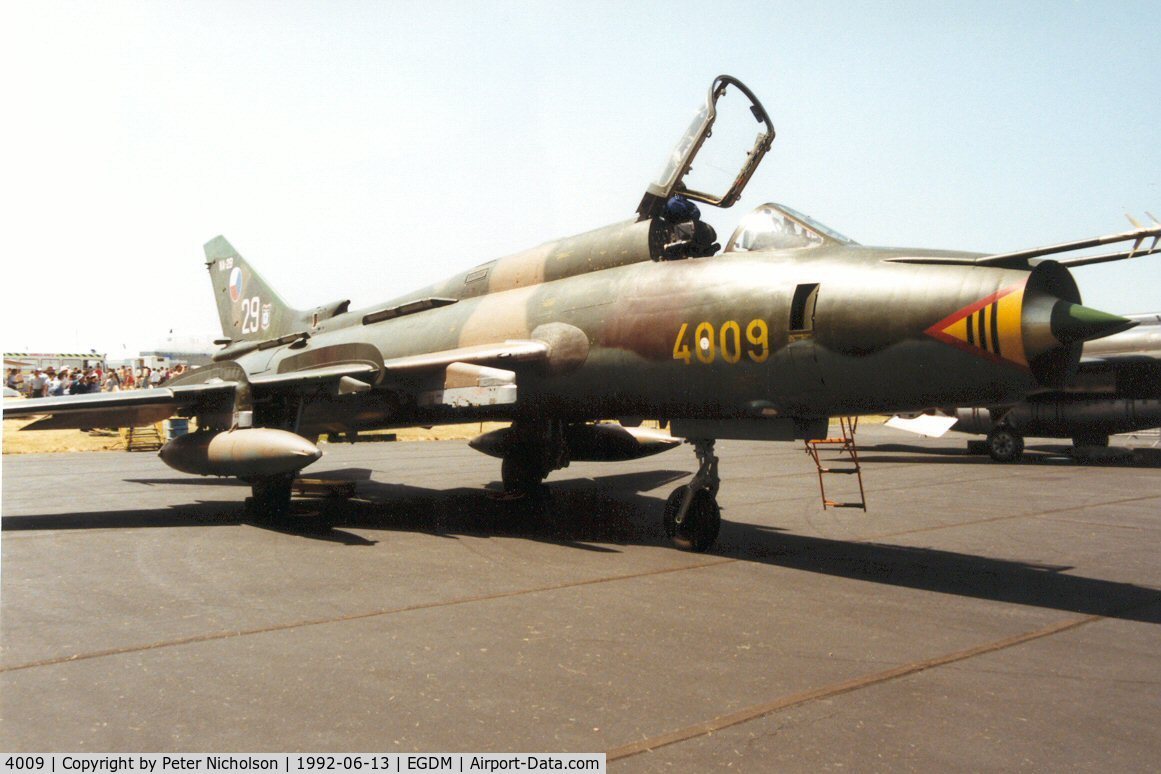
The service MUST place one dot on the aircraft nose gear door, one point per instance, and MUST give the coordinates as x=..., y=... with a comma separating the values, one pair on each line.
x=673, y=178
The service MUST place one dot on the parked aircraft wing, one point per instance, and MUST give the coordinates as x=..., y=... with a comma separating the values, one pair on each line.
x=503, y=353
x=297, y=379
x=1136, y=351
x=1117, y=359
x=202, y=391
x=1145, y=241
x=132, y=408
x=477, y=375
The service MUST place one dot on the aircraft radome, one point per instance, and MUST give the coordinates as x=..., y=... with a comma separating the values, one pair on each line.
x=788, y=324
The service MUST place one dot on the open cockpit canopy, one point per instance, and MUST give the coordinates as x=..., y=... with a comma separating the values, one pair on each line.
x=728, y=151
x=777, y=227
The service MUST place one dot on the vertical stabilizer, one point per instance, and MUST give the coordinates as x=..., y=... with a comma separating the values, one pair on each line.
x=248, y=308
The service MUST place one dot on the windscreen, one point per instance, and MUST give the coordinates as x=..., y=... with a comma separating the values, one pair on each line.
x=776, y=227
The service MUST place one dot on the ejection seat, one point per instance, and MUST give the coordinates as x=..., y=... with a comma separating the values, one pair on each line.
x=668, y=200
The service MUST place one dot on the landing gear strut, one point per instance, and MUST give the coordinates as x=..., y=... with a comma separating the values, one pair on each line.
x=692, y=516
x=521, y=475
x=535, y=449
x=271, y=497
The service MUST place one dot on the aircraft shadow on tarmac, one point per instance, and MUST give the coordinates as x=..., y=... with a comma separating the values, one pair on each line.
x=1040, y=454
x=598, y=514
x=198, y=480
x=340, y=474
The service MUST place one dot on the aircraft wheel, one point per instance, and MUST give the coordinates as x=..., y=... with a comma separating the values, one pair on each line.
x=520, y=476
x=1005, y=444
x=1094, y=439
x=703, y=520
x=271, y=497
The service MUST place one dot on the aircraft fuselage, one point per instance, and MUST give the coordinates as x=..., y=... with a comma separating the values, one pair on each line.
x=715, y=337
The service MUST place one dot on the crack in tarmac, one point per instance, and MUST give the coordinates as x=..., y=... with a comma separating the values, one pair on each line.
x=757, y=711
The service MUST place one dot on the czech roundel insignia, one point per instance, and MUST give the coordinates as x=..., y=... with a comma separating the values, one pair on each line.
x=989, y=328
x=236, y=284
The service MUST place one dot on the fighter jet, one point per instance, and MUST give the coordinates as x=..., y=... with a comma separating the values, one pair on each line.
x=788, y=324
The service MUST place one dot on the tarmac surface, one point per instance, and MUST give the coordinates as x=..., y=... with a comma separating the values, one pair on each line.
x=979, y=616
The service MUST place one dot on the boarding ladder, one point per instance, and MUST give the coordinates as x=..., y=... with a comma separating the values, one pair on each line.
x=847, y=458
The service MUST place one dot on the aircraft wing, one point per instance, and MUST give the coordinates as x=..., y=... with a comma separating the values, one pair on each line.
x=479, y=375
x=513, y=351
x=465, y=376
x=1135, y=352
x=345, y=375
x=1145, y=241
x=131, y=408
x=1118, y=360
x=209, y=390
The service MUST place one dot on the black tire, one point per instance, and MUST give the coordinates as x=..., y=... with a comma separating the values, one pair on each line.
x=520, y=476
x=1005, y=445
x=702, y=522
x=271, y=498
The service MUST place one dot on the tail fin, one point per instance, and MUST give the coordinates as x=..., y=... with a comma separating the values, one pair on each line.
x=247, y=307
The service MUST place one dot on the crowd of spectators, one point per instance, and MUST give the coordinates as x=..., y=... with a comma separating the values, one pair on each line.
x=50, y=382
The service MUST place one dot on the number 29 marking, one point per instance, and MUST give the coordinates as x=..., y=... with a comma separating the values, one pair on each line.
x=250, y=308
x=727, y=343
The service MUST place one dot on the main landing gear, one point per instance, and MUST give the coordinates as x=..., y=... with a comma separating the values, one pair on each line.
x=1004, y=444
x=692, y=516
x=534, y=449
x=521, y=475
x=270, y=500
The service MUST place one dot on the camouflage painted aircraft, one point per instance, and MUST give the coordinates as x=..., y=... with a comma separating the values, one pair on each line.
x=790, y=324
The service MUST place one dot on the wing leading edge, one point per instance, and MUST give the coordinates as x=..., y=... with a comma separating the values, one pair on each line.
x=116, y=409
x=1145, y=241
x=461, y=377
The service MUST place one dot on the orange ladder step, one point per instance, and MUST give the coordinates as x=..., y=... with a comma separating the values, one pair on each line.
x=847, y=452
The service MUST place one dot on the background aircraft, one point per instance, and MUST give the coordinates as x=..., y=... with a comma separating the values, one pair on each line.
x=1117, y=389
x=787, y=325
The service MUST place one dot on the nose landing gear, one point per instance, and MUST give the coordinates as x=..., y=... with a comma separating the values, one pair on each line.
x=692, y=516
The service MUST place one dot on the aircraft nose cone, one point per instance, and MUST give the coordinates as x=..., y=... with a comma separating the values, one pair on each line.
x=1054, y=330
x=1051, y=323
x=1074, y=324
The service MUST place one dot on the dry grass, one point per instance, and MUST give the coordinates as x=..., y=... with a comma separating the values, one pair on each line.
x=46, y=441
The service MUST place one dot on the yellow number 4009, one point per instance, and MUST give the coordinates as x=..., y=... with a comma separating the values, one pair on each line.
x=727, y=344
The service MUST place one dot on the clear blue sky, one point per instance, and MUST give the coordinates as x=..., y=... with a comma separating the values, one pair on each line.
x=361, y=149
